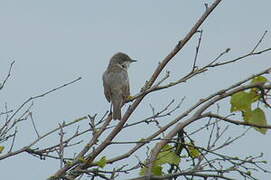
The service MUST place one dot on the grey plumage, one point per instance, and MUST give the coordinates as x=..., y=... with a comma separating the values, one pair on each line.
x=116, y=82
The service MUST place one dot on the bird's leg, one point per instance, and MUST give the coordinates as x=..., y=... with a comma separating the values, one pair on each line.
x=129, y=98
x=111, y=105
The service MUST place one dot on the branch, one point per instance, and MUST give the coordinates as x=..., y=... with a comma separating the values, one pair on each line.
x=197, y=51
x=205, y=68
x=76, y=161
x=197, y=115
x=9, y=73
x=259, y=42
x=175, y=175
x=131, y=108
x=181, y=43
x=177, y=48
x=211, y=115
x=183, y=115
x=39, y=96
x=241, y=57
x=24, y=149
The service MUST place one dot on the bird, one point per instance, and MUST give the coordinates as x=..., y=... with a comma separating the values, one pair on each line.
x=116, y=82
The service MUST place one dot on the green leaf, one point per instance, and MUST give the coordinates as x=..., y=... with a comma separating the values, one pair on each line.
x=142, y=171
x=255, y=91
x=241, y=101
x=102, y=162
x=1, y=149
x=258, y=117
x=193, y=151
x=247, y=115
x=248, y=173
x=69, y=163
x=81, y=159
x=259, y=79
x=167, y=155
x=255, y=94
x=156, y=170
x=142, y=140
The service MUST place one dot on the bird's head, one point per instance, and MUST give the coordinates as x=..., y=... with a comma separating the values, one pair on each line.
x=121, y=59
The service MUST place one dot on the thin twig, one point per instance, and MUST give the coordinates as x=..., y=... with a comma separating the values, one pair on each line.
x=42, y=95
x=239, y=58
x=236, y=122
x=33, y=123
x=259, y=42
x=217, y=58
x=86, y=148
x=7, y=112
x=196, y=116
x=197, y=51
x=13, y=140
x=61, y=145
x=40, y=138
x=8, y=75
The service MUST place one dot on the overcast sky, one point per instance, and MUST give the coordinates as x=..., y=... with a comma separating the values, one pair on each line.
x=54, y=42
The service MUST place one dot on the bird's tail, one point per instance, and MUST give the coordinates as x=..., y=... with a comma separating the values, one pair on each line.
x=117, y=103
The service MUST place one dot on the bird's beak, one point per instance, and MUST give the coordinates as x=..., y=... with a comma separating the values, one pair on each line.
x=132, y=60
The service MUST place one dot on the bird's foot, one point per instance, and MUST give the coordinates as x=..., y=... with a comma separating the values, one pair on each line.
x=130, y=98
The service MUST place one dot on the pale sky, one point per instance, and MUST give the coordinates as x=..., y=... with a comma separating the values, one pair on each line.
x=54, y=42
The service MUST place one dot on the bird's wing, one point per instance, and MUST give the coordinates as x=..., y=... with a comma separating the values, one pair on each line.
x=126, y=86
x=116, y=81
x=107, y=91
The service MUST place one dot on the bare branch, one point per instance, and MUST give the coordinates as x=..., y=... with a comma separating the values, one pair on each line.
x=181, y=43
x=33, y=123
x=197, y=51
x=13, y=140
x=217, y=58
x=259, y=42
x=236, y=122
x=61, y=145
x=39, y=96
x=241, y=57
x=93, y=140
x=8, y=75
x=40, y=138
x=175, y=175
x=196, y=116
